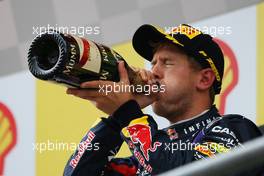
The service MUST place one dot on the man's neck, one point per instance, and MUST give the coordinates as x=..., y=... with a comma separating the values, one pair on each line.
x=194, y=110
x=191, y=118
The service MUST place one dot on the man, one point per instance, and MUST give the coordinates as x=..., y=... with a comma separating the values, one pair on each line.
x=190, y=65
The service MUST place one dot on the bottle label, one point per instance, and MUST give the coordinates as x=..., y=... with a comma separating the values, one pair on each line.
x=90, y=57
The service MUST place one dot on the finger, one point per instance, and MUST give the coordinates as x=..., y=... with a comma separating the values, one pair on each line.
x=75, y=91
x=89, y=93
x=89, y=98
x=123, y=72
x=151, y=78
x=84, y=93
x=71, y=90
x=143, y=75
x=94, y=84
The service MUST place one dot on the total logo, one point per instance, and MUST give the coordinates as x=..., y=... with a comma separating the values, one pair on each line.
x=8, y=134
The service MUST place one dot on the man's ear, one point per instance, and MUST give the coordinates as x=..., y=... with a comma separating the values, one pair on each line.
x=206, y=79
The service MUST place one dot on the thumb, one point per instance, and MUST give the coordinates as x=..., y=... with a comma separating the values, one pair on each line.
x=123, y=72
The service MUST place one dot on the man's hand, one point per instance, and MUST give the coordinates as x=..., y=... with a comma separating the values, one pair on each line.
x=108, y=102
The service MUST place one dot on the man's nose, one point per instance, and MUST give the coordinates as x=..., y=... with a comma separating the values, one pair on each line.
x=157, y=72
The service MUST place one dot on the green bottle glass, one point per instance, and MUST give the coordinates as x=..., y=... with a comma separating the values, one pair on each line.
x=71, y=60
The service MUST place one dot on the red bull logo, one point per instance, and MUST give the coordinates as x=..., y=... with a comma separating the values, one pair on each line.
x=172, y=134
x=140, y=133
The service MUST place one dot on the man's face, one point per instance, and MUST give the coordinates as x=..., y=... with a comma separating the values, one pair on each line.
x=173, y=70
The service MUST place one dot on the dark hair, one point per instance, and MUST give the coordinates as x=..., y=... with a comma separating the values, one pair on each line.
x=192, y=62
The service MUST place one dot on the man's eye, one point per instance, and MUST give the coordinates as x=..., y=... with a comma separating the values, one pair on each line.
x=167, y=62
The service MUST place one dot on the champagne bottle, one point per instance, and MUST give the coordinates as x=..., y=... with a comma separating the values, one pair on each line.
x=71, y=60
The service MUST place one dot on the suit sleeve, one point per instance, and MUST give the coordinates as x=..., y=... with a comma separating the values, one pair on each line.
x=96, y=151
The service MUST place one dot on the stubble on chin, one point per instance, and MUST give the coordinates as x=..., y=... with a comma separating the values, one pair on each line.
x=170, y=111
x=159, y=108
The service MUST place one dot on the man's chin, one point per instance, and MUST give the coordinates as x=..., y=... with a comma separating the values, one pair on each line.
x=157, y=108
x=154, y=104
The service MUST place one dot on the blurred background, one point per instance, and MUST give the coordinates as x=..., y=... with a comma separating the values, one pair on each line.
x=40, y=126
